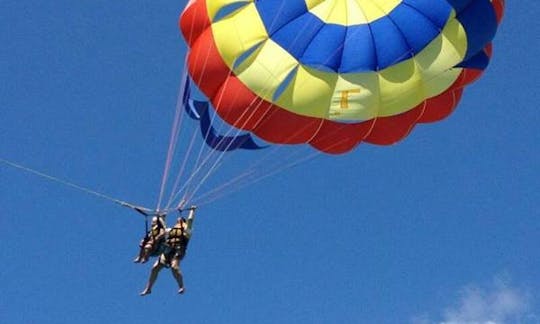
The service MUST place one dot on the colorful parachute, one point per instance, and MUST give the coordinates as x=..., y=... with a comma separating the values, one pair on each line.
x=335, y=73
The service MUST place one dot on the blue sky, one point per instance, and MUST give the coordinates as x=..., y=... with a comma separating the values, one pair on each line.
x=440, y=228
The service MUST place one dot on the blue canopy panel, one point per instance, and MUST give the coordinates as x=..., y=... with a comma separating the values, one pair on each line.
x=391, y=39
x=199, y=110
x=480, y=32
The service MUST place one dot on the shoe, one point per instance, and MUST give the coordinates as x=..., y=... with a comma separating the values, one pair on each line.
x=145, y=292
x=181, y=290
x=137, y=260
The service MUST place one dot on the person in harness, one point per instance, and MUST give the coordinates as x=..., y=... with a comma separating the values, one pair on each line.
x=176, y=245
x=154, y=238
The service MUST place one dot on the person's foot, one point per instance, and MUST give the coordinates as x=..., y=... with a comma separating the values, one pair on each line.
x=143, y=260
x=137, y=260
x=146, y=292
x=181, y=290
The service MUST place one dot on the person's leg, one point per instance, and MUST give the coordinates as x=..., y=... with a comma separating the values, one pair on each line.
x=156, y=268
x=147, y=251
x=177, y=273
x=142, y=245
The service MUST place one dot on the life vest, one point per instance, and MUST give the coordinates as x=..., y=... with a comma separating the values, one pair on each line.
x=178, y=237
x=156, y=229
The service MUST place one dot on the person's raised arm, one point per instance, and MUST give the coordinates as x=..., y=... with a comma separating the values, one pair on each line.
x=191, y=216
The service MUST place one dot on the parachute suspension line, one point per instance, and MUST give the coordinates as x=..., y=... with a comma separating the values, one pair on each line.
x=275, y=149
x=182, y=169
x=190, y=193
x=252, y=176
x=251, y=172
x=254, y=108
x=64, y=182
x=175, y=132
x=174, y=193
x=234, y=181
x=206, y=199
x=197, y=166
x=218, y=160
x=217, y=194
x=189, y=150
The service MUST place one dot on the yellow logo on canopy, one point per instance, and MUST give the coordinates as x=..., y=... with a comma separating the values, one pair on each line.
x=351, y=12
x=345, y=94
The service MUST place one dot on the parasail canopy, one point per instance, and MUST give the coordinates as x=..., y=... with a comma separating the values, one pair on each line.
x=335, y=73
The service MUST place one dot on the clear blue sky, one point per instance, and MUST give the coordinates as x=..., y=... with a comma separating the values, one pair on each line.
x=442, y=228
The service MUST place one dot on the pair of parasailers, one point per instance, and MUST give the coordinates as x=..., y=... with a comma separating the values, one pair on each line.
x=169, y=245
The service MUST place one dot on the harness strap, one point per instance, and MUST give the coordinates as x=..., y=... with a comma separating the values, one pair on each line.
x=146, y=226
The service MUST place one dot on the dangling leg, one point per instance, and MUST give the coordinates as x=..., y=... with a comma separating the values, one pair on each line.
x=156, y=268
x=142, y=245
x=147, y=250
x=138, y=258
x=177, y=273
